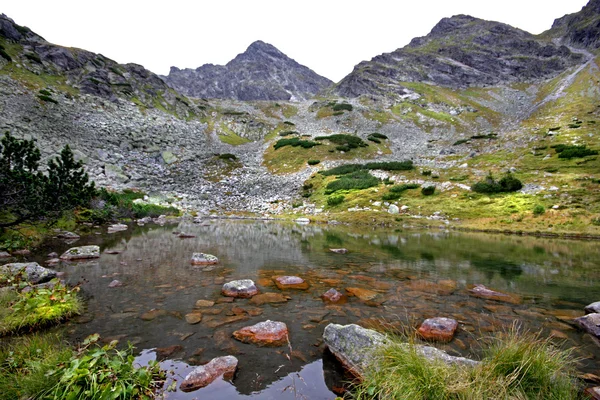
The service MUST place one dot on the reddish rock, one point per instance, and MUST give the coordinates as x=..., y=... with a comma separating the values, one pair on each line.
x=443, y=287
x=438, y=329
x=205, y=374
x=153, y=314
x=165, y=352
x=204, y=303
x=193, y=318
x=204, y=259
x=593, y=392
x=482, y=292
x=363, y=294
x=216, y=321
x=265, y=298
x=333, y=296
x=267, y=333
x=290, y=282
x=23, y=252
x=243, y=288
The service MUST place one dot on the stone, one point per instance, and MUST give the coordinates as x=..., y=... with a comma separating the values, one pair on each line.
x=339, y=251
x=4, y=254
x=590, y=323
x=593, y=392
x=53, y=255
x=205, y=374
x=333, y=296
x=32, y=272
x=483, y=292
x=204, y=303
x=115, y=283
x=438, y=329
x=81, y=253
x=393, y=209
x=184, y=235
x=268, y=333
x=302, y=221
x=117, y=228
x=204, y=259
x=355, y=347
x=265, y=298
x=592, y=308
x=153, y=314
x=443, y=287
x=290, y=282
x=363, y=294
x=168, y=157
x=67, y=235
x=22, y=252
x=165, y=352
x=243, y=288
x=193, y=318
x=215, y=322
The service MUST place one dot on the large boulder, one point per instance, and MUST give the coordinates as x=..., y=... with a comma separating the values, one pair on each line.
x=205, y=374
x=290, y=282
x=355, y=347
x=590, y=323
x=81, y=253
x=267, y=333
x=32, y=272
x=438, y=329
x=484, y=293
x=243, y=288
x=593, y=308
x=204, y=259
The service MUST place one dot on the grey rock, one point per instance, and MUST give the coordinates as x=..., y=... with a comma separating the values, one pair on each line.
x=115, y=283
x=117, y=228
x=205, y=374
x=33, y=272
x=593, y=308
x=590, y=323
x=241, y=288
x=4, y=254
x=81, y=253
x=204, y=259
x=67, y=235
x=393, y=209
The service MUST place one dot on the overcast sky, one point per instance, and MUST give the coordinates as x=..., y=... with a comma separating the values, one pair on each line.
x=327, y=36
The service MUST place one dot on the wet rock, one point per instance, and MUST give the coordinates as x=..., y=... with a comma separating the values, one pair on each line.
x=593, y=308
x=438, y=329
x=339, y=251
x=302, y=221
x=243, y=288
x=216, y=322
x=22, y=252
x=113, y=251
x=52, y=262
x=290, y=282
x=184, y=235
x=53, y=255
x=222, y=341
x=265, y=298
x=32, y=272
x=4, y=254
x=204, y=303
x=590, y=323
x=204, y=259
x=153, y=314
x=355, y=347
x=205, y=374
x=333, y=296
x=193, y=318
x=444, y=287
x=67, y=235
x=483, y=292
x=363, y=294
x=81, y=253
x=117, y=228
x=166, y=352
x=115, y=283
x=268, y=333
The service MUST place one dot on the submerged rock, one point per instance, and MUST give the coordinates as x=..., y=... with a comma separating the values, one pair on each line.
x=483, y=292
x=590, y=323
x=81, y=253
x=355, y=347
x=193, y=318
x=593, y=308
x=339, y=251
x=265, y=298
x=4, y=254
x=363, y=294
x=204, y=259
x=67, y=235
x=205, y=374
x=333, y=296
x=267, y=333
x=32, y=272
x=438, y=329
x=204, y=303
x=290, y=282
x=243, y=288
x=117, y=228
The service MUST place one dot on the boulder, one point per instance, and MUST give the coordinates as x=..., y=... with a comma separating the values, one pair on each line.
x=339, y=251
x=267, y=333
x=115, y=283
x=204, y=259
x=482, y=292
x=590, y=323
x=438, y=329
x=393, y=209
x=4, y=254
x=32, y=272
x=81, y=253
x=355, y=347
x=67, y=235
x=205, y=374
x=117, y=228
x=593, y=308
x=333, y=296
x=363, y=294
x=290, y=282
x=243, y=288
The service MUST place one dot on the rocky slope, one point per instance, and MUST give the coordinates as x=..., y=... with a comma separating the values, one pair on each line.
x=581, y=29
x=460, y=52
x=260, y=73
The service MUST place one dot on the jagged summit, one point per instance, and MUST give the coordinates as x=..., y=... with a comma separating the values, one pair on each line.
x=580, y=29
x=262, y=72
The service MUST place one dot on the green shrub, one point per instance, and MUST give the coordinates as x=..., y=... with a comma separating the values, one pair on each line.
x=539, y=209
x=227, y=157
x=45, y=92
x=374, y=140
x=427, y=190
x=356, y=180
x=403, y=187
x=141, y=210
x=287, y=133
x=295, y=142
x=508, y=183
x=47, y=98
x=5, y=55
x=459, y=142
x=488, y=136
x=347, y=141
x=390, y=196
x=385, y=166
x=289, y=123
x=313, y=162
x=569, y=152
x=426, y=172
x=335, y=200
x=376, y=137
x=338, y=113
x=342, y=107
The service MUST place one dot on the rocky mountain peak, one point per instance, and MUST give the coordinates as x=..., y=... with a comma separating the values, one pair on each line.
x=580, y=29
x=451, y=24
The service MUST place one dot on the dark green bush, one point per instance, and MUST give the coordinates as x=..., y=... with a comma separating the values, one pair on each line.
x=337, y=113
x=459, y=142
x=342, y=107
x=313, y=162
x=5, y=55
x=33, y=57
x=384, y=165
x=227, y=157
x=289, y=123
x=488, y=136
x=426, y=172
x=45, y=92
x=508, y=183
x=356, y=180
x=335, y=200
x=373, y=139
x=390, y=196
x=351, y=141
x=403, y=187
x=568, y=151
x=539, y=209
x=428, y=190
x=47, y=98
x=345, y=148
x=295, y=142
x=287, y=133
x=378, y=135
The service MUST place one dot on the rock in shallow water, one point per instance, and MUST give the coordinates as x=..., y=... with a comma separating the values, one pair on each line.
x=243, y=288
x=333, y=296
x=438, y=329
x=81, y=253
x=205, y=374
x=265, y=298
x=204, y=259
x=483, y=292
x=32, y=272
x=267, y=333
x=290, y=282
x=590, y=323
x=593, y=308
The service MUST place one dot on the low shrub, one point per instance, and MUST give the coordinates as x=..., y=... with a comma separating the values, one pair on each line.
x=343, y=147
x=342, y=107
x=335, y=200
x=227, y=157
x=313, y=162
x=488, y=136
x=403, y=187
x=356, y=180
x=347, y=141
x=428, y=190
x=574, y=151
x=4, y=54
x=45, y=92
x=46, y=98
x=426, y=172
x=384, y=165
x=508, y=183
x=338, y=113
x=287, y=133
x=289, y=123
x=295, y=142
x=538, y=209
x=390, y=196
x=378, y=135
x=459, y=142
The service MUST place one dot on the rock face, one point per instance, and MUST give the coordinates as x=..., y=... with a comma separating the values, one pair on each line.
x=243, y=288
x=355, y=347
x=81, y=253
x=593, y=308
x=267, y=333
x=32, y=272
x=438, y=329
x=260, y=73
x=206, y=374
x=590, y=323
x=581, y=29
x=204, y=259
x=460, y=51
x=290, y=282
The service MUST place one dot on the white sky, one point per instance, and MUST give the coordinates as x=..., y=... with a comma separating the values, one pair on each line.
x=327, y=36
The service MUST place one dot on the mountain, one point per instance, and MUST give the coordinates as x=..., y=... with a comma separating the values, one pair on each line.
x=28, y=57
x=581, y=29
x=260, y=73
x=459, y=52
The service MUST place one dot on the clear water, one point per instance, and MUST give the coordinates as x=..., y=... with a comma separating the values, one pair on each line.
x=555, y=279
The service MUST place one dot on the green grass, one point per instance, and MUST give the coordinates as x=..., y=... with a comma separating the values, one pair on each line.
x=228, y=136
x=516, y=365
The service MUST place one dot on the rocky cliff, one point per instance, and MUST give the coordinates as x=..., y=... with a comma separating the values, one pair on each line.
x=459, y=52
x=581, y=29
x=260, y=73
